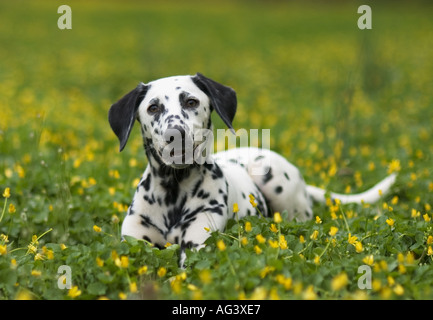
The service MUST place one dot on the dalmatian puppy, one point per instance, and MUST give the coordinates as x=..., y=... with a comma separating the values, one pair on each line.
x=186, y=192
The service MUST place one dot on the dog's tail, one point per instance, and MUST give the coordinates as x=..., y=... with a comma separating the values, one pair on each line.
x=370, y=196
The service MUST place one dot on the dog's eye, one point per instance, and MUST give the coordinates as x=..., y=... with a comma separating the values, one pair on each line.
x=153, y=108
x=191, y=103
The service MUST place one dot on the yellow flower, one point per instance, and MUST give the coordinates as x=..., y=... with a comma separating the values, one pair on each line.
x=430, y=240
x=3, y=250
x=352, y=239
x=368, y=260
x=283, y=243
x=253, y=203
x=12, y=208
x=244, y=241
x=314, y=235
x=316, y=260
x=273, y=243
x=277, y=217
x=142, y=270
x=235, y=208
x=74, y=292
x=4, y=238
x=96, y=228
x=339, y=281
x=309, y=293
x=426, y=217
x=390, y=222
x=7, y=193
x=221, y=245
x=99, y=262
x=36, y=273
x=260, y=238
x=63, y=246
x=398, y=290
x=257, y=249
x=301, y=239
x=358, y=247
x=273, y=228
x=430, y=251
x=394, y=166
x=122, y=296
x=133, y=287
x=318, y=220
x=248, y=226
x=124, y=261
x=333, y=231
x=161, y=272
x=415, y=213
x=205, y=276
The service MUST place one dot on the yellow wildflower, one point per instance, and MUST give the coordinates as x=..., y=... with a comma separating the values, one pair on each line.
x=273, y=243
x=352, y=239
x=260, y=238
x=430, y=240
x=99, y=262
x=161, y=272
x=124, y=262
x=318, y=220
x=3, y=250
x=301, y=239
x=133, y=287
x=430, y=251
x=142, y=270
x=314, y=235
x=205, y=276
x=122, y=296
x=415, y=213
x=96, y=228
x=426, y=217
x=309, y=293
x=339, y=281
x=7, y=193
x=333, y=231
x=235, y=208
x=63, y=246
x=248, y=226
x=368, y=260
x=74, y=292
x=390, y=222
x=257, y=249
x=12, y=208
x=358, y=247
x=283, y=243
x=394, y=166
x=273, y=228
x=221, y=245
x=36, y=273
x=316, y=260
x=277, y=217
x=398, y=290
x=244, y=241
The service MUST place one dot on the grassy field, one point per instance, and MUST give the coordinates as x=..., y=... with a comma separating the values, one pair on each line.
x=347, y=106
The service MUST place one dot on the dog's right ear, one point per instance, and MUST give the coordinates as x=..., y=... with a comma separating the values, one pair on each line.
x=123, y=113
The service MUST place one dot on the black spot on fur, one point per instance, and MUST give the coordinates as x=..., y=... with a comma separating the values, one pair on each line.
x=287, y=176
x=268, y=176
x=278, y=189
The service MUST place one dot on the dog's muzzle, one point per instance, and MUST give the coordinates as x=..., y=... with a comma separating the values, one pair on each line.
x=178, y=151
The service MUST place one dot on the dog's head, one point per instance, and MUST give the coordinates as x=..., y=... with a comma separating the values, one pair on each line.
x=174, y=114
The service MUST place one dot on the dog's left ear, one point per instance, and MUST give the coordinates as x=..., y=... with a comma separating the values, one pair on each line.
x=222, y=98
x=123, y=113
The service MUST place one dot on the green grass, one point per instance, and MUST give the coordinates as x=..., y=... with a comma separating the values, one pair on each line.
x=341, y=103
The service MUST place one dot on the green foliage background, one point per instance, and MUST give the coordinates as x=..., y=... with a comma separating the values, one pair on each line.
x=342, y=105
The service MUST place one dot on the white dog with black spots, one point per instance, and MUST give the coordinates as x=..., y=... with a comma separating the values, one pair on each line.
x=185, y=191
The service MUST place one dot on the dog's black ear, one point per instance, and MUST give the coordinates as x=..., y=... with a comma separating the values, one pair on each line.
x=222, y=98
x=123, y=113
